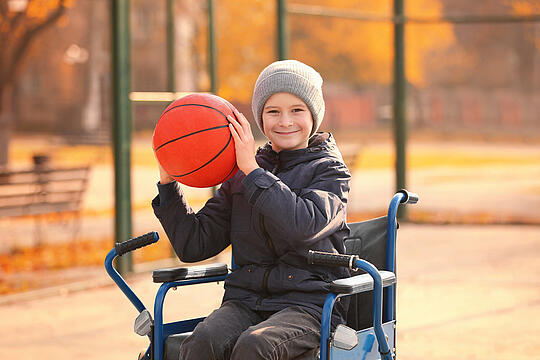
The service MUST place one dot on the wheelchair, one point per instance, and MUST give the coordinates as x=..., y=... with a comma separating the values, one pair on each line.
x=370, y=332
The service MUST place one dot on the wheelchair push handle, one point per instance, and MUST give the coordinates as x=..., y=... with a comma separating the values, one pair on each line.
x=136, y=243
x=120, y=249
x=328, y=259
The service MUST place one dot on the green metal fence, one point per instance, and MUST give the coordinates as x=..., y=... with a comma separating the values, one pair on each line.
x=122, y=95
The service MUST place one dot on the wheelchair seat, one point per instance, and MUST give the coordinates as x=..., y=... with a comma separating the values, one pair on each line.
x=367, y=239
x=172, y=345
x=173, y=342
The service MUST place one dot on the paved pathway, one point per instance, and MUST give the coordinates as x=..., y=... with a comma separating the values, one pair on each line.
x=465, y=292
x=502, y=187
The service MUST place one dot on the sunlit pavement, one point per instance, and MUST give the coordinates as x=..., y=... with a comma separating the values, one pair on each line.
x=465, y=292
x=505, y=188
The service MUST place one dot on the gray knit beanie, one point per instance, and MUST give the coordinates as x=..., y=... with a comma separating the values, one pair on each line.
x=293, y=77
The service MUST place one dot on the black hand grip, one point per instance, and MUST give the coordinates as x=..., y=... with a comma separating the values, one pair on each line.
x=136, y=243
x=331, y=259
x=409, y=197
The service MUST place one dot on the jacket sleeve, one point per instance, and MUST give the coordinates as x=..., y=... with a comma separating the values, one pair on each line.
x=313, y=214
x=194, y=236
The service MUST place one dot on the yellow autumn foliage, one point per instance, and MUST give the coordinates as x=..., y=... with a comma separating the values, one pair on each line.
x=343, y=50
x=40, y=8
x=526, y=7
x=246, y=43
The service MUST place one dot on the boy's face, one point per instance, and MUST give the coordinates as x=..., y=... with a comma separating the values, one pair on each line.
x=287, y=122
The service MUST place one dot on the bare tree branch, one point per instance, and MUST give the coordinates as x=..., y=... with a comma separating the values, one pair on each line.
x=8, y=34
x=27, y=38
x=3, y=8
x=11, y=27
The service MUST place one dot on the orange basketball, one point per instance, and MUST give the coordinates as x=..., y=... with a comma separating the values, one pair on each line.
x=193, y=143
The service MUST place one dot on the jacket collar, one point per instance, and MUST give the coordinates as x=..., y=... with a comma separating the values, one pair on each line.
x=319, y=145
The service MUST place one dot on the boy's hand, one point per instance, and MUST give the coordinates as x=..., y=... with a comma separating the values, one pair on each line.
x=164, y=177
x=244, y=142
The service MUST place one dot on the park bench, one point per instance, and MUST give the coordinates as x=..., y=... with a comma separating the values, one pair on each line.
x=43, y=191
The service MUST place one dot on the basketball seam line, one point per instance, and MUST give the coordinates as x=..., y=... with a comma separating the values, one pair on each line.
x=235, y=166
x=230, y=172
x=209, y=161
x=206, y=106
x=230, y=136
x=193, y=133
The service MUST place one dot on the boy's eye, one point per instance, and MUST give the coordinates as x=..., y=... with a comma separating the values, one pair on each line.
x=272, y=112
x=298, y=109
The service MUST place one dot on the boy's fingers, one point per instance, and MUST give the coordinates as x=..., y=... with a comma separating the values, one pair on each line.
x=242, y=120
x=241, y=126
x=232, y=120
x=234, y=133
x=237, y=127
x=236, y=113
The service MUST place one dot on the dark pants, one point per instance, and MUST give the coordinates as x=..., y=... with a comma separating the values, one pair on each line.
x=235, y=332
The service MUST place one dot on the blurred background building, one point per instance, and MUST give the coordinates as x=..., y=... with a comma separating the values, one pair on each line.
x=473, y=111
x=479, y=78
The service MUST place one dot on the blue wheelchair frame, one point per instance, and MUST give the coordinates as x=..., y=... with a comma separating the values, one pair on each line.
x=377, y=342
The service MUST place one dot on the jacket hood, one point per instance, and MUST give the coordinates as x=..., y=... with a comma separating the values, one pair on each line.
x=320, y=145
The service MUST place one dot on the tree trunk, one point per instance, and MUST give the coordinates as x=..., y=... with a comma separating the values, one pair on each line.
x=6, y=123
x=92, y=108
x=186, y=72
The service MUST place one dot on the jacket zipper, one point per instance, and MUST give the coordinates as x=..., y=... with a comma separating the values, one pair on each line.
x=264, y=289
x=266, y=235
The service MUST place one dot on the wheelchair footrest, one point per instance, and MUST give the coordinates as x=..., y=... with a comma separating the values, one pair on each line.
x=360, y=283
x=190, y=272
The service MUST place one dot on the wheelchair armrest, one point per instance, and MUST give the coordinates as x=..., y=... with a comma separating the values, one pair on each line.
x=188, y=273
x=360, y=283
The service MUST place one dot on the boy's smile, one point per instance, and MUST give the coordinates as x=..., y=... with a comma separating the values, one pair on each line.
x=287, y=122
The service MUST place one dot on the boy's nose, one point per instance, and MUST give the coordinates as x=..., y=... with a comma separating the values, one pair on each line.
x=285, y=120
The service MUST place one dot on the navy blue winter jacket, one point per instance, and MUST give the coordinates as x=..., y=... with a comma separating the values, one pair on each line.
x=295, y=201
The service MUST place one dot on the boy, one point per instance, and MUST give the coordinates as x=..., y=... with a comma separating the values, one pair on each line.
x=288, y=198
